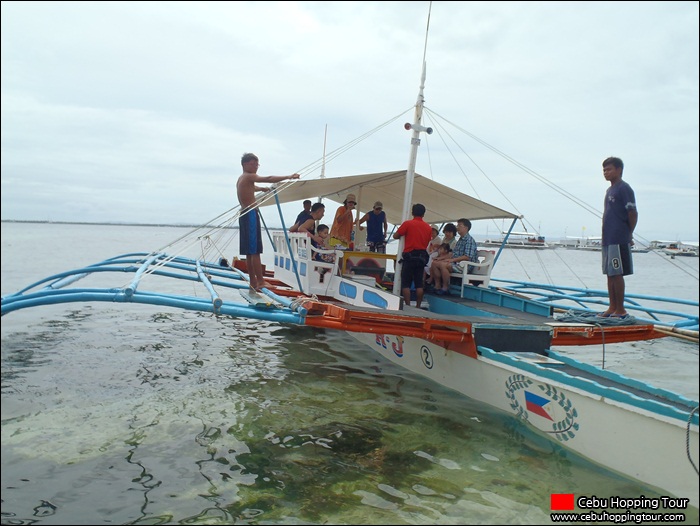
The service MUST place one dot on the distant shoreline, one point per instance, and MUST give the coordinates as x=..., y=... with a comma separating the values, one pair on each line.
x=105, y=224
x=170, y=225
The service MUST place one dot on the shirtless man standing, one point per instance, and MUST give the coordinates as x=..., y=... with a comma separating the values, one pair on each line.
x=249, y=221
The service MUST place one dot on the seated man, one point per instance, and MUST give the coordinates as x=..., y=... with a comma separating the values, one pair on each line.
x=464, y=250
x=305, y=216
x=308, y=223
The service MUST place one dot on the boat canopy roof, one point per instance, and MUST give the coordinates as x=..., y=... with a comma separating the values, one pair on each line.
x=442, y=203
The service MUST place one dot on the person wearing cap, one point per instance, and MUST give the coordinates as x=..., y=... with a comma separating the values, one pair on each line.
x=433, y=247
x=376, y=228
x=341, y=230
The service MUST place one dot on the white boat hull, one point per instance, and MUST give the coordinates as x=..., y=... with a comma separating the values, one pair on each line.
x=632, y=441
x=515, y=244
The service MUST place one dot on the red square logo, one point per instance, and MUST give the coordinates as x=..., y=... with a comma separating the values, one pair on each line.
x=562, y=501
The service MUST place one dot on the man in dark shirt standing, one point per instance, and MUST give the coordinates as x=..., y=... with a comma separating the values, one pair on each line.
x=619, y=220
x=305, y=212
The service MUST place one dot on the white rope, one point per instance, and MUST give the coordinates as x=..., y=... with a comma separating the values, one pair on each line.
x=215, y=229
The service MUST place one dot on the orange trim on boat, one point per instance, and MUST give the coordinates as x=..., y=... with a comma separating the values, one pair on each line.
x=594, y=335
x=455, y=335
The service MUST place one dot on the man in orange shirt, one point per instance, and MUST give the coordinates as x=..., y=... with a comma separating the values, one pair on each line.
x=415, y=256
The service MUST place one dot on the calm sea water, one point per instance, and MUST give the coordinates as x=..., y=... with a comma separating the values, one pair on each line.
x=129, y=414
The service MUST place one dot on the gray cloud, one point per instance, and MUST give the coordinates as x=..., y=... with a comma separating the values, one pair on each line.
x=141, y=111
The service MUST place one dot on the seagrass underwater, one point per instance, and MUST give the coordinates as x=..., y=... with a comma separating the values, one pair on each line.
x=143, y=414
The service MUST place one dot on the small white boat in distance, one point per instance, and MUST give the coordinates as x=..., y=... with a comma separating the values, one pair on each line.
x=521, y=240
x=680, y=248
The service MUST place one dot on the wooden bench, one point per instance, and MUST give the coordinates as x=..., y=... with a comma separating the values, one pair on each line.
x=476, y=273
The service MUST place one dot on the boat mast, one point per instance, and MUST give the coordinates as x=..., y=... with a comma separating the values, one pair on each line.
x=417, y=127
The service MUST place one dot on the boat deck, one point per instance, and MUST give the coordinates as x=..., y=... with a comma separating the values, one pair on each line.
x=483, y=315
x=497, y=327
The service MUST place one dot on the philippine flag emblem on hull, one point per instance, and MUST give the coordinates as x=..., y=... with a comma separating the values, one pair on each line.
x=543, y=406
x=537, y=404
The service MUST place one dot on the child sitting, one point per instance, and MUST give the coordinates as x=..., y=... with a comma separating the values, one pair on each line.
x=444, y=252
x=432, y=249
x=323, y=232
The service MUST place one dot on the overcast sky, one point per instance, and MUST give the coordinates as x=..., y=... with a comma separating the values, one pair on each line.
x=140, y=111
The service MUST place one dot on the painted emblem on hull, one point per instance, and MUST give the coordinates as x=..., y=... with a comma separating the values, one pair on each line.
x=426, y=356
x=395, y=342
x=543, y=406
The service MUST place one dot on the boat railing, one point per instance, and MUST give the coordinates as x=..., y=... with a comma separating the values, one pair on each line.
x=296, y=265
x=658, y=310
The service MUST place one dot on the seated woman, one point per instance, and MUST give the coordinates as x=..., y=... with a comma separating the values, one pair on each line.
x=449, y=232
x=464, y=250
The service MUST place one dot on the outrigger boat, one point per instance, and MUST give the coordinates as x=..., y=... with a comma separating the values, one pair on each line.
x=522, y=240
x=491, y=340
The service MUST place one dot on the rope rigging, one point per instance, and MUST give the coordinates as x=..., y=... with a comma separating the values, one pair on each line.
x=448, y=140
x=217, y=234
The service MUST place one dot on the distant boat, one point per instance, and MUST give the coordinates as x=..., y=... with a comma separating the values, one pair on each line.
x=681, y=249
x=581, y=243
x=660, y=244
x=640, y=250
x=521, y=240
x=594, y=244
